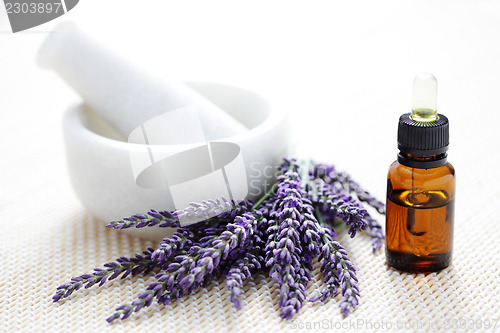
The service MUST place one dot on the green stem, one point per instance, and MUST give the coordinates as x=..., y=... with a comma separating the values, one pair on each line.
x=265, y=196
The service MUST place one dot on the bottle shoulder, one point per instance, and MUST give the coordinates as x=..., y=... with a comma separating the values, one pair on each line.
x=398, y=168
x=403, y=177
x=450, y=167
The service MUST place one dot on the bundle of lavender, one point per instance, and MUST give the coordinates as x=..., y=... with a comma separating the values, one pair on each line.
x=283, y=232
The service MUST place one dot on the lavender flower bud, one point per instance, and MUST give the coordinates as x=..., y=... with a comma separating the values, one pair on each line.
x=123, y=265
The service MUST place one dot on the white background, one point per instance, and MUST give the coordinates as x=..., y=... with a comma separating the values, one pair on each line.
x=342, y=69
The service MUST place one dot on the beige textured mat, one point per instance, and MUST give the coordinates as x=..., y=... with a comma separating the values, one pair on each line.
x=42, y=246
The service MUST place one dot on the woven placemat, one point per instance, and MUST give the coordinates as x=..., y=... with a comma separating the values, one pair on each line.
x=46, y=237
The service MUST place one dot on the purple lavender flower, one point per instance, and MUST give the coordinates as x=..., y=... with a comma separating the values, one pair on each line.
x=163, y=219
x=333, y=203
x=164, y=280
x=328, y=178
x=218, y=251
x=234, y=238
x=143, y=300
x=181, y=239
x=206, y=231
x=253, y=259
x=293, y=290
x=375, y=230
x=197, y=212
x=293, y=240
x=239, y=208
x=223, y=208
x=205, y=234
x=192, y=268
x=242, y=269
x=338, y=271
x=331, y=176
x=135, y=265
x=267, y=206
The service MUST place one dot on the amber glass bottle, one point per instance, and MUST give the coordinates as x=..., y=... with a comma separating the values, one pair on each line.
x=420, y=194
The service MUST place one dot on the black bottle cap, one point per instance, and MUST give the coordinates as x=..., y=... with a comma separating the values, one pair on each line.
x=423, y=138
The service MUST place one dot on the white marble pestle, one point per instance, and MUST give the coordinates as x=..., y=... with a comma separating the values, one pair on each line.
x=122, y=93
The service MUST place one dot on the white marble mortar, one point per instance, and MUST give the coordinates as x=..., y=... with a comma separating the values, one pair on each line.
x=99, y=165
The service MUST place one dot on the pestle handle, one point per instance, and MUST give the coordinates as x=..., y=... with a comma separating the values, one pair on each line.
x=122, y=93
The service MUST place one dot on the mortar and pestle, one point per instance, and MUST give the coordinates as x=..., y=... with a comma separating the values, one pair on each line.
x=139, y=142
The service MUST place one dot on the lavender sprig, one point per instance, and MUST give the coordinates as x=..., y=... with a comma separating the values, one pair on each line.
x=135, y=265
x=333, y=203
x=327, y=178
x=180, y=240
x=253, y=259
x=164, y=279
x=233, y=239
x=331, y=176
x=238, y=209
x=242, y=269
x=190, y=270
x=338, y=271
x=212, y=211
x=293, y=240
x=375, y=232
x=293, y=289
x=163, y=219
x=283, y=257
x=205, y=210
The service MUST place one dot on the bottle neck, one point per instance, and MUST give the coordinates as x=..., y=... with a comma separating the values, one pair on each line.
x=424, y=161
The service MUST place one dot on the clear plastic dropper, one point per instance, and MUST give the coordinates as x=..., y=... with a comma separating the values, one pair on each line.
x=424, y=99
